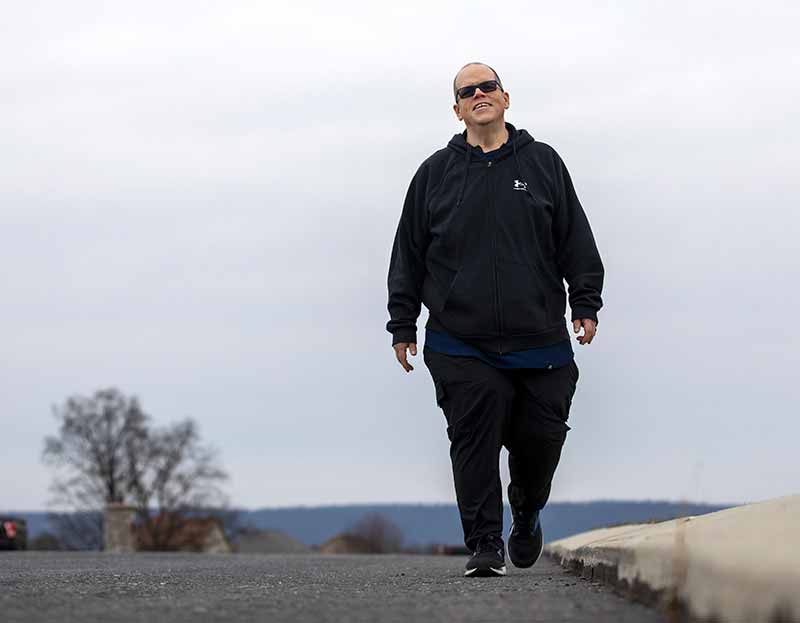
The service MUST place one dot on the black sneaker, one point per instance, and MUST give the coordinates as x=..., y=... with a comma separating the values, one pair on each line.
x=525, y=538
x=489, y=558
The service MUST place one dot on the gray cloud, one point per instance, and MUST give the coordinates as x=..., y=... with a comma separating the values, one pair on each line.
x=198, y=203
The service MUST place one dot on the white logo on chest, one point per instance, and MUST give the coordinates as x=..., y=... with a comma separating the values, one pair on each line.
x=520, y=185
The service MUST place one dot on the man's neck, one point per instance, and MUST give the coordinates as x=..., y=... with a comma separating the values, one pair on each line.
x=488, y=137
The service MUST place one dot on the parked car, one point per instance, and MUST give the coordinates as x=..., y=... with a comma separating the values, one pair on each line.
x=13, y=533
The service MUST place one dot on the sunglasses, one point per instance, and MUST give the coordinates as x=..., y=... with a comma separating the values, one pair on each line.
x=485, y=87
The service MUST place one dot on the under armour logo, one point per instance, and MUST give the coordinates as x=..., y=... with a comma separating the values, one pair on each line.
x=520, y=185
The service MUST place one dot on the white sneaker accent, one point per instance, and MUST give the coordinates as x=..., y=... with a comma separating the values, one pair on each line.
x=495, y=570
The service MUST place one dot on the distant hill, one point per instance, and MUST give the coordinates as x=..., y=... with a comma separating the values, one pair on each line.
x=426, y=523
x=423, y=524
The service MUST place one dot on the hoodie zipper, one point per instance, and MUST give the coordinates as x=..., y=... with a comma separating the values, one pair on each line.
x=498, y=311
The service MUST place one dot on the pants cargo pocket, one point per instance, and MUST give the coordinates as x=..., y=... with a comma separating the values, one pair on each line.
x=439, y=392
x=441, y=395
x=575, y=370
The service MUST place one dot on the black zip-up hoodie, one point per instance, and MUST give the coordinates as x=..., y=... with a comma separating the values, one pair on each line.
x=487, y=243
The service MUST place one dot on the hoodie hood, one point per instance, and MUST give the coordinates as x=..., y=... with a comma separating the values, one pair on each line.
x=517, y=140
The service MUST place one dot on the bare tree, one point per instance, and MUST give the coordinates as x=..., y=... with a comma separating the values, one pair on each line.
x=382, y=534
x=170, y=470
x=91, y=446
x=90, y=456
x=107, y=452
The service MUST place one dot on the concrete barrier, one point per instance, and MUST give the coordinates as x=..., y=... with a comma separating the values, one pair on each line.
x=739, y=564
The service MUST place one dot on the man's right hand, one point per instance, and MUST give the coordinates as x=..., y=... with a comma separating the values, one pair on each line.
x=402, y=357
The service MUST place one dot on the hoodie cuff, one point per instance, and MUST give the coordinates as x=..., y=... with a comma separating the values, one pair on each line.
x=579, y=313
x=405, y=335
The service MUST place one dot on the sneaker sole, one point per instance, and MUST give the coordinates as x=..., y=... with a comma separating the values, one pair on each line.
x=477, y=572
x=524, y=564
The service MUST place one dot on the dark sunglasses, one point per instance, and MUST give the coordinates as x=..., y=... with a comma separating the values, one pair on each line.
x=485, y=87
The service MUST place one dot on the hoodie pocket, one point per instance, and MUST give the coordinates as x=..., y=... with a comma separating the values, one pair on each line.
x=469, y=308
x=437, y=284
x=523, y=298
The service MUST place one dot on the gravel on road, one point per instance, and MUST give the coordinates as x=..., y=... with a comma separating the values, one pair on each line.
x=161, y=587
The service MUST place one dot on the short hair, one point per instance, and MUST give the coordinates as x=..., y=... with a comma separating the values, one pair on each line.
x=496, y=77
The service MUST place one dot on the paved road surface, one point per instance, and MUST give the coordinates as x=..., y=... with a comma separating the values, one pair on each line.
x=156, y=588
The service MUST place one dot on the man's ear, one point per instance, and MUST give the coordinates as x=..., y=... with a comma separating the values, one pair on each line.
x=458, y=114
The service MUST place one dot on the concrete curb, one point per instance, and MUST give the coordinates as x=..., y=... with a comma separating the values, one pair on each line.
x=740, y=564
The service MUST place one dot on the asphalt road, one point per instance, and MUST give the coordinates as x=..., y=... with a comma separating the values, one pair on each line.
x=156, y=588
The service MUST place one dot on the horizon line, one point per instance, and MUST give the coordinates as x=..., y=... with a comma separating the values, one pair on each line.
x=444, y=503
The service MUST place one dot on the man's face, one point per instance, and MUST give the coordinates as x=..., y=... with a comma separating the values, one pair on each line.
x=482, y=108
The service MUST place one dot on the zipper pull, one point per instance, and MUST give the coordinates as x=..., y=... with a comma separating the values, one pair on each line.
x=490, y=163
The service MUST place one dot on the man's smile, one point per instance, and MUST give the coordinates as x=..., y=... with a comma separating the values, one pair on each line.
x=480, y=105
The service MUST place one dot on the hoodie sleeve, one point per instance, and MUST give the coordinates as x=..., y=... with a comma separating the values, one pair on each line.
x=407, y=264
x=576, y=251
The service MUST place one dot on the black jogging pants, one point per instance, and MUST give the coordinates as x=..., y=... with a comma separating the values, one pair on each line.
x=486, y=408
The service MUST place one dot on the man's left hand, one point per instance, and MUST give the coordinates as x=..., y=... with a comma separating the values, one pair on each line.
x=589, y=329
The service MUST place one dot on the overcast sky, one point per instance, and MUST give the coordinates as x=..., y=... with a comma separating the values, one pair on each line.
x=198, y=201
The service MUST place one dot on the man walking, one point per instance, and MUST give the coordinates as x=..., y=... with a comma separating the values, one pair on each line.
x=490, y=228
